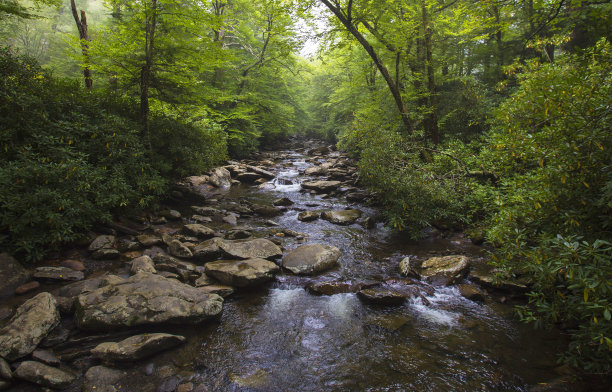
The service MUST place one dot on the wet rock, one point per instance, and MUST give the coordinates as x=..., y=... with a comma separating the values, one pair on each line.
x=390, y=322
x=471, y=292
x=178, y=249
x=488, y=279
x=171, y=214
x=74, y=289
x=27, y=287
x=102, y=379
x=208, y=250
x=31, y=323
x=142, y=264
x=265, y=210
x=101, y=242
x=257, y=379
x=309, y=216
x=284, y=201
x=205, y=211
x=12, y=273
x=231, y=219
x=222, y=290
x=311, y=259
x=237, y=234
x=321, y=186
x=4, y=385
x=445, y=270
x=127, y=245
x=5, y=312
x=204, y=280
x=220, y=177
x=341, y=217
x=58, y=273
x=201, y=219
x=106, y=254
x=154, y=251
x=46, y=357
x=44, y=375
x=5, y=370
x=356, y=196
x=169, y=384
x=129, y=256
x=76, y=265
x=144, y=299
x=248, y=177
x=314, y=171
x=251, y=249
x=242, y=273
x=381, y=296
x=336, y=287
x=148, y=240
x=136, y=347
x=198, y=230
x=409, y=267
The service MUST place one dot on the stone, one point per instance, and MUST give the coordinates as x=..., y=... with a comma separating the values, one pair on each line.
x=220, y=177
x=143, y=299
x=257, y=248
x=101, y=242
x=487, y=279
x=257, y=379
x=283, y=201
x=237, y=234
x=148, y=240
x=408, y=267
x=142, y=264
x=76, y=265
x=201, y=219
x=341, y=217
x=471, y=292
x=136, y=347
x=171, y=214
x=310, y=259
x=208, y=250
x=27, y=287
x=44, y=375
x=381, y=296
x=74, y=289
x=127, y=245
x=5, y=370
x=248, y=177
x=205, y=211
x=46, y=357
x=356, y=196
x=262, y=172
x=219, y=289
x=309, y=216
x=58, y=273
x=314, y=171
x=336, y=287
x=31, y=323
x=178, y=249
x=231, y=219
x=445, y=270
x=106, y=254
x=321, y=186
x=13, y=274
x=129, y=256
x=242, y=273
x=264, y=210
x=102, y=378
x=199, y=230
x=204, y=280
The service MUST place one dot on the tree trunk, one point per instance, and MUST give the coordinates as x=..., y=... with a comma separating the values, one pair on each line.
x=84, y=37
x=431, y=120
x=145, y=72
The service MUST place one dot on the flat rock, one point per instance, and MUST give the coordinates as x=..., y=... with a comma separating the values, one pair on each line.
x=44, y=375
x=27, y=287
x=248, y=177
x=264, y=210
x=262, y=172
x=143, y=299
x=251, y=249
x=208, y=250
x=487, y=279
x=219, y=289
x=311, y=259
x=136, y=347
x=171, y=214
x=142, y=264
x=321, y=186
x=76, y=265
x=45, y=356
x=102, y=378
x=381, y=296
x=13, y=274
x=309, y=216
x=284, y=201
x=106, y=254
x=336, y=287
x=471, y=292
x=178, y=249
x=205, y=211
x=102, y=241
x=148, y=240
x=58, y=273
x=242, y=273
x=445, y=270
x=31, y=323
x=199, y=230
x=341, y=217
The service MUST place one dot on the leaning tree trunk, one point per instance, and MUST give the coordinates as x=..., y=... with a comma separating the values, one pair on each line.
x=84, y=37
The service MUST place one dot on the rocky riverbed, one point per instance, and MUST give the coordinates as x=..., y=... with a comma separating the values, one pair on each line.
x=270, y=274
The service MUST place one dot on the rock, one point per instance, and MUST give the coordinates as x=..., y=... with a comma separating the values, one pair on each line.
x=242, y=273
x=356, y=196
x=248, y=177
x=102, y=379
x=257, y=248
x=12, y=273
x=321, y=186
x=205, y=211
x=220, y=177
x=136, y=347
x=101, y=242
x=264, y=210
x=408, y=267
x=46, y=357
x=390, y=322
x=58, y=273
x=487, y=279
x=204, y=280
x=222, y=290
x=27, y=287
x=178, y=249
x=201, y=219
x=237, y=234
x=5, y=370
x=199, y=230
x=471, y=292
x=76, y=265
x=261, y=172
x=106, y=254
x=445, y=270
x=381, y=296
x=142, y=264
x=5, y=312
x=341, y=217
x=171, y=214
x=4, y=385
x=127, y=245
x=143, y=299
x=284, y=201
x=208, y=250
x=310, y=259
x=368, y=223
x=148, y=240
x=314, y=171
x=231, y=219
x=256, y=380
x=308, y=216
x=44, y=375
x=74, y=289
x=336, y=287
x=30, y=324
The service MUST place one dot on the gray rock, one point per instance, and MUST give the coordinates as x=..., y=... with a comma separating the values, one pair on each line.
x=284, y=201
x=106, y=254
x=220, y=177
x=219, y=289
x=27, y=287
x=201, y=219
x=231, y=219
x=142, y=264
x=310, y=259
x=44, y=375
x=58, y=273
x=264, y=210
x=102, y=379
x=73, y=289
x=242, y=273
x=148, y=240
x=178, y=249
x=30, y=324
x=199, y=230
x=12, y=273
x=445, y=270
x=101, y=242
x=136, y=347
x=237, y=234
x=471, y=292
x=337, y=287
x=262, y=172
x=308, y=216
x=248, y=177
x=208, y=250
x=488, y=279
x=381, y=296
x=205, y=211
x=5, y=370
x=341, y=217
x=171, y=214
x=143, y=299
x=321, y=186
x=46, y=357
x=257, y=248
x=408, y=267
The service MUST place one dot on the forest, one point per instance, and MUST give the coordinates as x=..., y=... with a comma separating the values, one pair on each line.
x=488, y=117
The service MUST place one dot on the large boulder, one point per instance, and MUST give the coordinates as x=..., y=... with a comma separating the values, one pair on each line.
x=58, y=274
x=143, y=299
x=321, y=186
x=199, y=230
x=445, y=270
x=252, y=249
x=220, y=177
x=12, y=273
x=208, y=250
x=310, y=259
x=44, y=375
x=242, y=273
x=341, y=217
x=136, y=347
x=30, y=324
